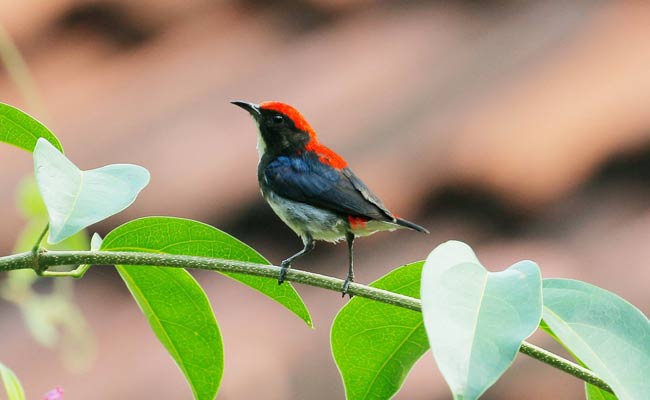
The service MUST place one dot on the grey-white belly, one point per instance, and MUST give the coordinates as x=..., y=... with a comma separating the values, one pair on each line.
x=307, y=220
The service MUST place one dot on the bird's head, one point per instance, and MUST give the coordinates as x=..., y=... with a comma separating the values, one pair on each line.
x=282, y=129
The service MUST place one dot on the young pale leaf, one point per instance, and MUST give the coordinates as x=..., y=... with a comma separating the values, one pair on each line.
x=76, y=199
x=21, y=130
x=187, y=237
x=181, y=317
x=12, y=385
x=375, y=344
x=96, y=242
x=95, y=245
x=476, y=320
x=608, y=334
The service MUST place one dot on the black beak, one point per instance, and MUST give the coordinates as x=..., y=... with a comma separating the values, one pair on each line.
x=253, y=109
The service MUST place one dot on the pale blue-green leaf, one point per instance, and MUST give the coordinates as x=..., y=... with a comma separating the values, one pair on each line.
x=96, y=242
x=95, y=245
x=608, y=334
x=29, y=201
x=476, y=320
x=186, y=237
x=374, y=344
x=11, y=383
x=22, y=130
x=591, y=392
x=181, y=317
x=76, y=199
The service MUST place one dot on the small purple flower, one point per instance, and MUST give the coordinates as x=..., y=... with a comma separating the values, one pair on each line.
x=54, y=394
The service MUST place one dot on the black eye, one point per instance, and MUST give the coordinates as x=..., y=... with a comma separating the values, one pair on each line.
x=278, y=119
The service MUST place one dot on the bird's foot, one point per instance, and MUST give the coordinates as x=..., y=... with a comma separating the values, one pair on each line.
x=284, y=267
x=346, y=286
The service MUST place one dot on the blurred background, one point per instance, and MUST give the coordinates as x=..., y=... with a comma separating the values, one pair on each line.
x=520, y=127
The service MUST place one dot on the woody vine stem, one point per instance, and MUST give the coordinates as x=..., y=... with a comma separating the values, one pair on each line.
x=41, y=260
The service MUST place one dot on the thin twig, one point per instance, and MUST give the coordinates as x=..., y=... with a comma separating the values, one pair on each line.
x=52, y=258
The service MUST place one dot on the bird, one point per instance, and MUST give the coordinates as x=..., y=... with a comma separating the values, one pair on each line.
x=311, y=188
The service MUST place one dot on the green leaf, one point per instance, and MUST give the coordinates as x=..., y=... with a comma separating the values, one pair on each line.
x=76, y=199
x=22, y=130
x=476, y=320
x=608, y=334
x=375, y=344
x=12, y=385
x=186, y=237
x=596, y=393
x=181, y=317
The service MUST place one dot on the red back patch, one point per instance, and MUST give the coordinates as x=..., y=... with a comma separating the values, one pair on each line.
x=326, y=155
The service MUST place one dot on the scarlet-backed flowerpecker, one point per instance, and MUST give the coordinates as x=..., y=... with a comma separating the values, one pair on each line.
x=311, y=188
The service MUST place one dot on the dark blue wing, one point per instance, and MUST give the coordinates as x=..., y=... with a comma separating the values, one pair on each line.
x=305, y=179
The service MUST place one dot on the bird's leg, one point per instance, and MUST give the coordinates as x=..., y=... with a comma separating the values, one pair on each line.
x=349, y=236
x=286, y=264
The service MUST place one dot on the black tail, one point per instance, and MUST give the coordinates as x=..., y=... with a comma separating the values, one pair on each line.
x=410, y=225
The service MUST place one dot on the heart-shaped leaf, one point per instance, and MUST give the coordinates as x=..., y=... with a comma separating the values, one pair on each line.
x=608, y=334
x=22, y=130
x=476, y=320
x=374, y=344
x=12, y=385
x=76, y=199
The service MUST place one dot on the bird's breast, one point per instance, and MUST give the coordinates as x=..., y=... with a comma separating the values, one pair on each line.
x=306, y=220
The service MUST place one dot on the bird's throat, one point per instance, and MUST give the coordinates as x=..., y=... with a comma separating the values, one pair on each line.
x=261, y=145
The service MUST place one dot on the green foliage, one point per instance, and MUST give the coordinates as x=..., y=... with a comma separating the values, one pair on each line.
x=76, y=199
x=594, y=393
x=174, y=303
x=183, y=236
x=476, y=320
x=12, y=385
x=374, y=344
x=181, y=317
x=21, y=130
x=608, y=334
